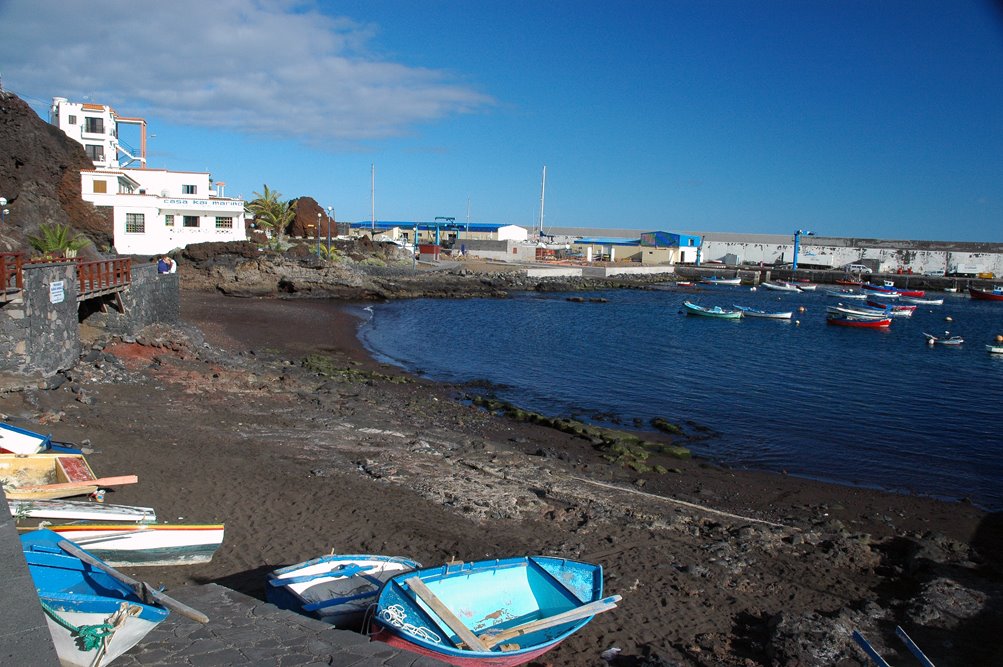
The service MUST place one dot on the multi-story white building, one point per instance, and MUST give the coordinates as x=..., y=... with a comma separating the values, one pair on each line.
x=154, y=210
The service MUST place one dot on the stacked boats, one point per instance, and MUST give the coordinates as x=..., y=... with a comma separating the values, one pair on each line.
x=72, y=541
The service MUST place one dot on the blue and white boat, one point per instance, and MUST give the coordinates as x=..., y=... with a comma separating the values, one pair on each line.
x=93, y=616
x=755, y=312
x=716, y=311
x=498, y=612
x=16, y=440
x=336, y=589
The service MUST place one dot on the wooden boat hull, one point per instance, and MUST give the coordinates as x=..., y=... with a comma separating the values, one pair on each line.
x=135, y=545
x=22, y=472
x=985, y=295
x=859, y=323
x=716, y=312
x=336, y=589
x=79, y=510
x=78, y=594
x=506, y=604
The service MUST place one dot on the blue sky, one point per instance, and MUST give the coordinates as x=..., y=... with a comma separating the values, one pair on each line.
x=850, y=118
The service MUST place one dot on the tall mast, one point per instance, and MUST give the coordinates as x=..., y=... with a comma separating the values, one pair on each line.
x=543, y=191
x=372, y=193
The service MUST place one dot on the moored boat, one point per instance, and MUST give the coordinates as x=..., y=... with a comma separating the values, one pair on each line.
x=715, y=280
x=995, y=294
x=336, y=589
x=994, y=349
x=861, y=312
x=93, y=617
x=780, y=286
x=946, y=339
x=755, y=312
x=858, y=322
x=716, y=311
x=498, y=613
x=139, y=544
x=922, y=302
x=845, y=294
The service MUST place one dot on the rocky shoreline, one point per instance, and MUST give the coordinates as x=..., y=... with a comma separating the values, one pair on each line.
x=238, y=415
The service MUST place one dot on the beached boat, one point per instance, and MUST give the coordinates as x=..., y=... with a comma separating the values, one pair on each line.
x=79, y=510
x=93, y=617
x=498, y=613
x=336, y=589
x=715, y=280
x=755, y=312
x=858, y=322
x=845, y=294
x=716, y=311
x=140, y=544
x=946, y=339
x=780, y=286
x=995, y=294
x=922, y=302
x=14, y=440
x=45, y=476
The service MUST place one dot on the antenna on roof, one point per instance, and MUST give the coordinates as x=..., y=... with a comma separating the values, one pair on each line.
x=543, y=191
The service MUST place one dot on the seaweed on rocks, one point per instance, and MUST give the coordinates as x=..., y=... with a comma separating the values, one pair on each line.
x=327, y=366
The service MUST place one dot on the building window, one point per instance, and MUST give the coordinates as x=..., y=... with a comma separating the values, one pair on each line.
x=95, y=152
x=135, y=223
x=191, y=221
x=169, y=220
x=224, y=223
x=188, y=189
x=101, y=187
x=71, y=120
x=94, y=125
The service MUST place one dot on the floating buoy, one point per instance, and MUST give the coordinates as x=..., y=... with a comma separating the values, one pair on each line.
x=930, y=341
x=797, y=323
x=752, y=289
x=948, y=319
x=999, y=338
x=801, y=309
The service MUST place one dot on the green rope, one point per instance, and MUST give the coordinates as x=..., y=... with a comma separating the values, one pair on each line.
x=90, y=637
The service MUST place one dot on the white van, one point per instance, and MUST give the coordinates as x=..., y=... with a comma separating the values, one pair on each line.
x=858, y=268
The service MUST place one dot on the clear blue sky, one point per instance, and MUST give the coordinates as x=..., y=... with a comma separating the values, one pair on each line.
x=849, y=118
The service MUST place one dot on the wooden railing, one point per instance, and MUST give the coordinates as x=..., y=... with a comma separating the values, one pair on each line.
x=10, y=270
x=94, y=278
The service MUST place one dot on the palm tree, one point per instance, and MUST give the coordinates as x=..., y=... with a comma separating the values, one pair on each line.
x=270, y=212
x=57, y=240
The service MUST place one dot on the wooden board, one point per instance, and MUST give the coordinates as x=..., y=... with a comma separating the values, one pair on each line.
x=423, y=593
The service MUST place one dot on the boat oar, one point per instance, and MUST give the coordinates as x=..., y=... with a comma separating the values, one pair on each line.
x=590, y=609
x=100, y=481
x=142, y=589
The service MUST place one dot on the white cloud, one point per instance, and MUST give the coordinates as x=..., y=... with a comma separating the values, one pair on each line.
x=276, y=67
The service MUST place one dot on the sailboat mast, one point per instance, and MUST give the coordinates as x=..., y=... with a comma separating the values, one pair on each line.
x=543, y=191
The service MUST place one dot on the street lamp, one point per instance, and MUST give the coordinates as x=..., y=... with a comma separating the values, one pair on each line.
x=330, y=216
x=316, y=236
x=797, y=237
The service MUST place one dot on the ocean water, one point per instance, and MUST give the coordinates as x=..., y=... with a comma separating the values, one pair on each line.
x=879, y=409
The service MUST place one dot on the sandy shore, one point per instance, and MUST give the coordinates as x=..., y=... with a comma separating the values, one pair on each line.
x=716, y=567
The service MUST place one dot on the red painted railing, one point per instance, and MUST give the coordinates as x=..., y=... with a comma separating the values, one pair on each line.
x=10, y=270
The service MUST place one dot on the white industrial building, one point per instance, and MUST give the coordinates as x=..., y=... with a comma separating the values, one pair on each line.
x=154, y=210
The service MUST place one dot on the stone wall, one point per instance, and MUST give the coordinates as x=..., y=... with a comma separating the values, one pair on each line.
x=151, y=298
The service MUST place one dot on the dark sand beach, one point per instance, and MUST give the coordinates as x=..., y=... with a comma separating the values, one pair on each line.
x=716, y=567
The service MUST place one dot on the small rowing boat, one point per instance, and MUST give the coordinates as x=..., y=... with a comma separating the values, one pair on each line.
x=995, y=294
x=145, y=544
x=14, y=440
x=336, y=589
x=845, y=294
x=857, y=322
x=497, y=613
x=755, y=312
x=780, y=286
x=922, y=302
x=946, y=339
x=715, y=280
x=78, y=510
x=994, y=349
x=716, y=311
x=46, y=476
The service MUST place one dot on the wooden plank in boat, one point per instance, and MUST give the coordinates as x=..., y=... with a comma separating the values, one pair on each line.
x=423, y=593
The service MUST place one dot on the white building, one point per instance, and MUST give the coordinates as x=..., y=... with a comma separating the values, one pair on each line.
x=154, y=210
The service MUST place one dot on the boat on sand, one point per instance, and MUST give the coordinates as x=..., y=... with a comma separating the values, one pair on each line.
x=45, y=476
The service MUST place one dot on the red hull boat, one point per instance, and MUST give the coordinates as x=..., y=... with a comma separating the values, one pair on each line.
x=986, y=295
x=850, y=321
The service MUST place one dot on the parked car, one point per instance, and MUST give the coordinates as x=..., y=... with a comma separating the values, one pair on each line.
x=858, y=268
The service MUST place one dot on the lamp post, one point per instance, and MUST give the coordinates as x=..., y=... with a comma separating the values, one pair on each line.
x=797, y=238
x=330, y=216
x=316, y=236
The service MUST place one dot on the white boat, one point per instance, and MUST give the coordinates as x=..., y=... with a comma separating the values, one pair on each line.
x=951, y=290
x=805, y=287
x=20, y=441
x=142, y=544
x=846, y=294
x=780, y=286
x=861, y=312
x=755, y=312
x=714, y=280
x=994, y=349
x=946, y=339
x=336, y=589
x=883, y=295
x=922, y=302
x=79, y=510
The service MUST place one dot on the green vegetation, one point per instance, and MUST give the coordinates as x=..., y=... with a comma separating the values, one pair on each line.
x=57, y=240
x=270, y=212
x=622, y=447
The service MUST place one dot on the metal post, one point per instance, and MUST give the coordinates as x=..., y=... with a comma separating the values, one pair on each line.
x=316, y=236
x=330, y=212
x=794, y=265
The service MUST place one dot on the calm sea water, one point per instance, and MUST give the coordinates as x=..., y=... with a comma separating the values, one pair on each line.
x=859, y=407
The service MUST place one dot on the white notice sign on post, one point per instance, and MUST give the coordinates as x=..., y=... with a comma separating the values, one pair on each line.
x=56, y=292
